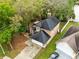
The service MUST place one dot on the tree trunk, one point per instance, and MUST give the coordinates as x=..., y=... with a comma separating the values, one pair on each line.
x=2, y=49
x=11, y=46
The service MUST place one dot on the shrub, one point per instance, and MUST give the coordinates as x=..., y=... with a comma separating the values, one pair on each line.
x=37, y=9
x=29, y=11
x=9, y=22
x=61, y=8
x=6, y=11
x=6, y=35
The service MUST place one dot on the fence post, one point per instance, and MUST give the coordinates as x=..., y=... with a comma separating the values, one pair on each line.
x=2, y=49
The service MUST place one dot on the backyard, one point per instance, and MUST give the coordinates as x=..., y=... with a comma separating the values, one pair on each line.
x=16, y=16
x=18, y=43
x=46, y=52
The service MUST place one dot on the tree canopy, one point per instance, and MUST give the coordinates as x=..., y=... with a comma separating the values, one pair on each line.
x=18, y=14
x=6, y=11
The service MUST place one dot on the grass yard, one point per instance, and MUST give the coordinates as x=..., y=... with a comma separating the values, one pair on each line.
x=46, y=52
x=11, y=54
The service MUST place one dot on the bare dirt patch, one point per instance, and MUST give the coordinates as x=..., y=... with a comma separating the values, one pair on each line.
x=18, y=41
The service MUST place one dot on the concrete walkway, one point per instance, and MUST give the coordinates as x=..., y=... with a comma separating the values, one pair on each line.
x=28, y=52
x=6, y=57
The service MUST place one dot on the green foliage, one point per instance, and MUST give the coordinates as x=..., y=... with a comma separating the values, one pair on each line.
x=6, y=35
x=33, y=10
x=62, y=9
x=70, y=6
x=16, y=22
x=29, y=10
x=67, y=11
x=6, y=11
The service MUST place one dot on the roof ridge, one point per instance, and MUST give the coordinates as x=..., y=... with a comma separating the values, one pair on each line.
x=71, y=35
x=48, y=23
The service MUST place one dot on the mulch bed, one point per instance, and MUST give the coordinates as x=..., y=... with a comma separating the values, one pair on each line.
x=18, y=41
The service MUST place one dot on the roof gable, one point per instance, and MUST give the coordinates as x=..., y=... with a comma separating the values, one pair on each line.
x=71, y=30
x=72, y=41
x=41, y=36
x=48, y=23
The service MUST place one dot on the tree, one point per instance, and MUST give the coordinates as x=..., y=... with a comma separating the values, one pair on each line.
x=6, y=11
x=5, y=37
x=29, y=11
x=62, y=9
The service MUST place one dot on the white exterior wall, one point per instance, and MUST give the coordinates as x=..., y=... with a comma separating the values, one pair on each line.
x=54, y=31
x=36, y=42
x=41, y=44
x=47, y=42
x=52, y=34
x=65, y=48
x=62, y=55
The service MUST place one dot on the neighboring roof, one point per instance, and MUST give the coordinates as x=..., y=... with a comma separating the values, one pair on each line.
x=41, y=36
x=71, y=30
x=48, y=23
x=71, y=41
x=72, y=38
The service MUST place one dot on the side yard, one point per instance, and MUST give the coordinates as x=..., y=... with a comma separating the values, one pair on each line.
x=18, y=44
x=45, y=53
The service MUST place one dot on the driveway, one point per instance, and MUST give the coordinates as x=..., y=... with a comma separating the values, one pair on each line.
x=62, y=55
x=28, y=52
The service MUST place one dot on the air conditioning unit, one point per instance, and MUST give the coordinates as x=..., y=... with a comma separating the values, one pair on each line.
x=38, y=29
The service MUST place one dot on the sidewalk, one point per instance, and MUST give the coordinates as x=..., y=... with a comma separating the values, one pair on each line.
x=28, y=52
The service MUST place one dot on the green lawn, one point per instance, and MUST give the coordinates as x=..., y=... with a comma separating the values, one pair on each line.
x=9, y=52
x=45, y=52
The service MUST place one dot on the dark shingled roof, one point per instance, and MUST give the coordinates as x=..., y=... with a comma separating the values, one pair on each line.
x=48, y=23
x=71, y=30
x=41, y=36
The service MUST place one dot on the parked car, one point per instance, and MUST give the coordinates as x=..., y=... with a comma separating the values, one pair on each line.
x=54, y=55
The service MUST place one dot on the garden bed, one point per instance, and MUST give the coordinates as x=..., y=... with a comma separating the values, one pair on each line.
x=18, y=42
